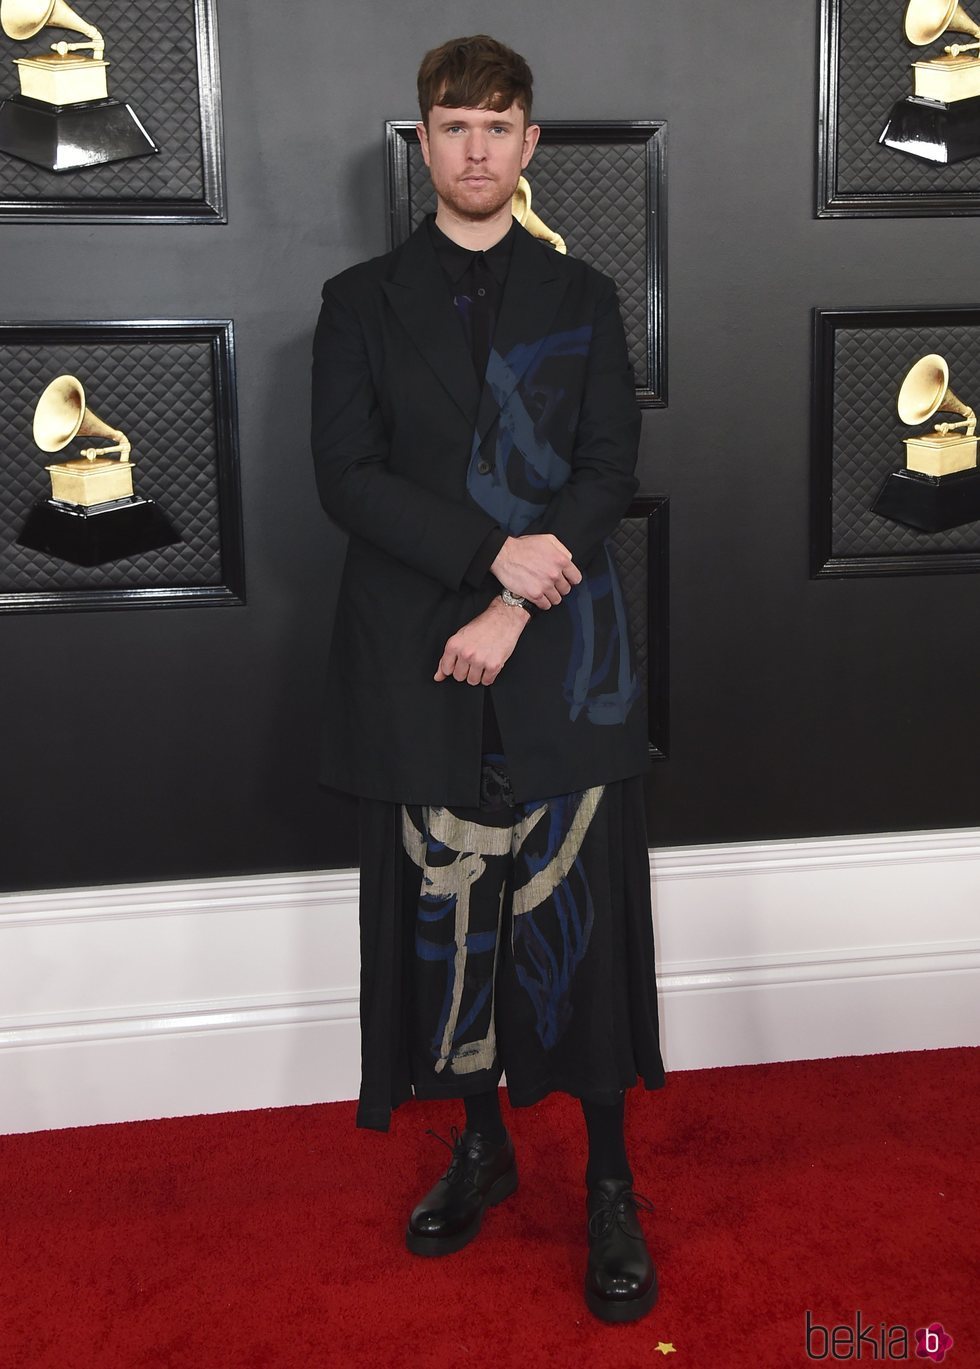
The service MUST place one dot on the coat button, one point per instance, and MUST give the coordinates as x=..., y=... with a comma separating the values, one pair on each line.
x=483, y=466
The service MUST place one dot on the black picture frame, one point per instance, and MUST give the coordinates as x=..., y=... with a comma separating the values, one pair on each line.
x=200, y=158
x=851, y=75
x=857, y=439
x=210, y=506
x=642, y=554
x=640, y=298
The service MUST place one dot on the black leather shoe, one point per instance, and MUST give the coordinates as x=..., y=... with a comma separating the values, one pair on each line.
x=621, y=1280
x=479, y=1175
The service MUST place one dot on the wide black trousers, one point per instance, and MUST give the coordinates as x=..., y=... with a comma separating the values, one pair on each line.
x=509, y=937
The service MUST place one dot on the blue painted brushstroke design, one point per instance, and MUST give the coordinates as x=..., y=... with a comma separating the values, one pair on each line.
x=526, y=460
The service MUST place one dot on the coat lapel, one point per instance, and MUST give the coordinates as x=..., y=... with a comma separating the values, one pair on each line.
x=420, y=298
x=535, y=287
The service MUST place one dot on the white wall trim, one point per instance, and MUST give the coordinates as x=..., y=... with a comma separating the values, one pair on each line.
x=816, y=853
x=260, y=1011
x=266, y=1010
x=936, y=958
x=209, y=995
x=180, y=898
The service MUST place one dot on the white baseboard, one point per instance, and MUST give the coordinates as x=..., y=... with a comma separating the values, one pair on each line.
x=141, y=1001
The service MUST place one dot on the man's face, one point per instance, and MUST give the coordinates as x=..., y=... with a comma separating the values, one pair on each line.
x=475, y=156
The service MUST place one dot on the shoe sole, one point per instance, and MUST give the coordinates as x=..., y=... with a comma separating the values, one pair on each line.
x=420, y=1244
x=619, y=1310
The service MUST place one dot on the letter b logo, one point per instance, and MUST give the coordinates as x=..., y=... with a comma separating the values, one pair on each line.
x=817, y=1339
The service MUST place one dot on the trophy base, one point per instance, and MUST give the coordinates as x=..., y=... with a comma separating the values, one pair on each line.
x=930, y=503
x=99, y=533
x=934, y=131
x=69, y=137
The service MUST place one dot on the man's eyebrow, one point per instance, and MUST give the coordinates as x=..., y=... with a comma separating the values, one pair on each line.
x=446, y=120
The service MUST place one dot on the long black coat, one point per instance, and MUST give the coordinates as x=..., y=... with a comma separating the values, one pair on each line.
x=418, y=466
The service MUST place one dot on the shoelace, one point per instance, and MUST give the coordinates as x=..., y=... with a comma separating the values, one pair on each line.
x=456, y=1173
x=614, y=1209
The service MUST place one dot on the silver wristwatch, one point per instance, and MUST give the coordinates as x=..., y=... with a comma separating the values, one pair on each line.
x=513, y=600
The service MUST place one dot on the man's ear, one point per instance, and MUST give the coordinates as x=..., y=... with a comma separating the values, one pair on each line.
x=531, y=135
x=422, y=131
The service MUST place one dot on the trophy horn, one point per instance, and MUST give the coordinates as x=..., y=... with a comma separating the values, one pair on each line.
x=522, y=212
x=21, y=19
x=925, y=20
x=925, y=391
x=62, y=414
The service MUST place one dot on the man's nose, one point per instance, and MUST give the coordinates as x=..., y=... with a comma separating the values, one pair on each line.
x=477, y=148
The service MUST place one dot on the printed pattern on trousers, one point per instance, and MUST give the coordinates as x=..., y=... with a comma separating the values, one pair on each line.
x=470, y=861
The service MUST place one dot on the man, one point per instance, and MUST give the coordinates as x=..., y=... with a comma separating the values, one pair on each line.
x=475, y=432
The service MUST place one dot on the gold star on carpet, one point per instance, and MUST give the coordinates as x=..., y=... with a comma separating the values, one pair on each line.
x=666, y=1347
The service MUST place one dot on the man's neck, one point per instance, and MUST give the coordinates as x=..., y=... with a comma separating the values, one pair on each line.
x=477, y=235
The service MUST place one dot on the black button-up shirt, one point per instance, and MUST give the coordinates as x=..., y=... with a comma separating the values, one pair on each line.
x=477, y=282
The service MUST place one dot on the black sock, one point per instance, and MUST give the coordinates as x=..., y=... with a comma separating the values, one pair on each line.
x=483, y=1115
x=607, y=1144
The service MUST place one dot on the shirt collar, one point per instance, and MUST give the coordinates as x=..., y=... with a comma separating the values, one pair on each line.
x=456, y=260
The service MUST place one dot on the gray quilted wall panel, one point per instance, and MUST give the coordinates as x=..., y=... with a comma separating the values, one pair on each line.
x=152, y=53
x=869, y=366
x=162, y=396
x=874, y=71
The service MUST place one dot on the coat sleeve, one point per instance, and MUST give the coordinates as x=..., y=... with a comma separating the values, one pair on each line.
x=590, y=504
x=437, y=536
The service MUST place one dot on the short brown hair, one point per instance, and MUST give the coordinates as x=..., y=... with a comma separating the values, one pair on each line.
x=474, y=73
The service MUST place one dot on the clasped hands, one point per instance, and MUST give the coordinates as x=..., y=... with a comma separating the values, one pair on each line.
x=536, y=566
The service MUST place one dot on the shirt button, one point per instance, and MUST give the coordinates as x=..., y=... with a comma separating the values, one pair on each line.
x=481, y=291
x=483, y=467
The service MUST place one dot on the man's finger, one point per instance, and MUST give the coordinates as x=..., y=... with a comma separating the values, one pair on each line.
x=445, y=667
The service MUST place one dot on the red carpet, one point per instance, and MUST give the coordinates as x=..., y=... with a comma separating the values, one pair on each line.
x=273, y=1239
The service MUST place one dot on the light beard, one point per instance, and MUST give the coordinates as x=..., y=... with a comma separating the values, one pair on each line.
x=475, y=212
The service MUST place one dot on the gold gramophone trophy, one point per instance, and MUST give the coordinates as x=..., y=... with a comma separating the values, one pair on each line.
x=64, y=117
x=939, y=487
x=521, y=209
x=940, y=120
x=92, y=515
